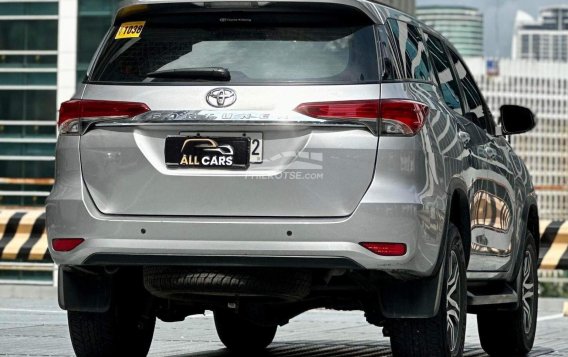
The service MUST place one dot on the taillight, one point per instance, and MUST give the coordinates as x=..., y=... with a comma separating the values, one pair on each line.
x=73, y=110
x=66, y=244
x=399, y=117
x=386, y=249
x=355, y=109
x=402, y=117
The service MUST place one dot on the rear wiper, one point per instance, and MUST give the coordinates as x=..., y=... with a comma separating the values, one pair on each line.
x=204, y=73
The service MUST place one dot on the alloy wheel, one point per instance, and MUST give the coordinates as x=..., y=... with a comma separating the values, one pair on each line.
x=528, y=291
x=453, y=300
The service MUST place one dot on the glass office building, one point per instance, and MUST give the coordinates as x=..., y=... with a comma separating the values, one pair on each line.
x=408, y=6
x=45, y=48
x=94, y=18
x=542, y=39
x=462, y=25
x=28, y=85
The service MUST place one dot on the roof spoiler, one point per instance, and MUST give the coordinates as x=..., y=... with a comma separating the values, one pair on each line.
x=134, y=8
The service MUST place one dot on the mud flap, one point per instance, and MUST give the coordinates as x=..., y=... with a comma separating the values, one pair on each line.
x=84, y=291
x=418, y=298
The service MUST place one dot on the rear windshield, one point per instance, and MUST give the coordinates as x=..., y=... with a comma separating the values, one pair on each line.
x=254, y=52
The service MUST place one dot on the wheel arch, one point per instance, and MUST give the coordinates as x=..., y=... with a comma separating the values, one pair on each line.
x=533, y=224
x=459, y=215
x=530, y=223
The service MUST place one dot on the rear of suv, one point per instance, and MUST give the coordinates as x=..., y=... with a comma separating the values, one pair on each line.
x=261, y=159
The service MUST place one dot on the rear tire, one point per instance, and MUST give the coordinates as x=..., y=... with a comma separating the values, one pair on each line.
x=104, y=334
x=240, y=335
x=126, y=329
x=444, y=334
x=512, y=333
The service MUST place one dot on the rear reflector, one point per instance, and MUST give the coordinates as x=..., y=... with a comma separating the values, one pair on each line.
x=386, y=249
x=355, y=109
x=65, y=244
x=75, y=109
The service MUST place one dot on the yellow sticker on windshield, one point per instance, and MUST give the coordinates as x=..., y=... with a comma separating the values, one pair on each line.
x=130, y=30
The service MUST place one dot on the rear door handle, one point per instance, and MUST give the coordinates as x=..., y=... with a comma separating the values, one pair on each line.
x=464, y=137
x=490, y=152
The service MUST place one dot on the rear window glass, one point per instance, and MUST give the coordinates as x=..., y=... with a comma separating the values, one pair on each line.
x=253, y=53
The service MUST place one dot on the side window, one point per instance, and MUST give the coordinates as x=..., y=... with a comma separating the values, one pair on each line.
x=446, y=80
x=407, y=39
x=475, y=110
x=390, y=64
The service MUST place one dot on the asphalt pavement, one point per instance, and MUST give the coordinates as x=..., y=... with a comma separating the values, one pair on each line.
x=31, y=324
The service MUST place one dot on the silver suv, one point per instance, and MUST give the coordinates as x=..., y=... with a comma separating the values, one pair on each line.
x=261, y=159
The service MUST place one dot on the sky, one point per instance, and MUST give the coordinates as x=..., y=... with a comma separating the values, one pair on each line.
x=499, y=18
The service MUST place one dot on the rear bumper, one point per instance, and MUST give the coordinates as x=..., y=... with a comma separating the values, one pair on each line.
x=325, y=243
x=387, y=213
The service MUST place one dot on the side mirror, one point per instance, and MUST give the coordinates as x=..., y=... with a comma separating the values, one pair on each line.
x=516, y=119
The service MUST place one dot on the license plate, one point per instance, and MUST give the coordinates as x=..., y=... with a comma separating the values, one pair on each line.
x=256, y=142
x=207, y=152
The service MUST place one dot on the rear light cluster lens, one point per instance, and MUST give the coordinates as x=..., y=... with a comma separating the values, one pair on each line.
x=386, y=249
x=356, y=109
x=66, y=244
x=398, y=117
x=73, y=110
x=402, y=117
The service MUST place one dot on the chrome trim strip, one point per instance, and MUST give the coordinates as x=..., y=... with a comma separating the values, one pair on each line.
x=328, y=124
x=103, y=124
x=207, y=118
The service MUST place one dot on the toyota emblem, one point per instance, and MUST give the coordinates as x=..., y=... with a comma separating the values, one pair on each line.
x=221, y=97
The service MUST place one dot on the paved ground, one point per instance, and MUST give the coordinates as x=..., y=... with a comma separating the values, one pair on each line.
x=34, y=326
